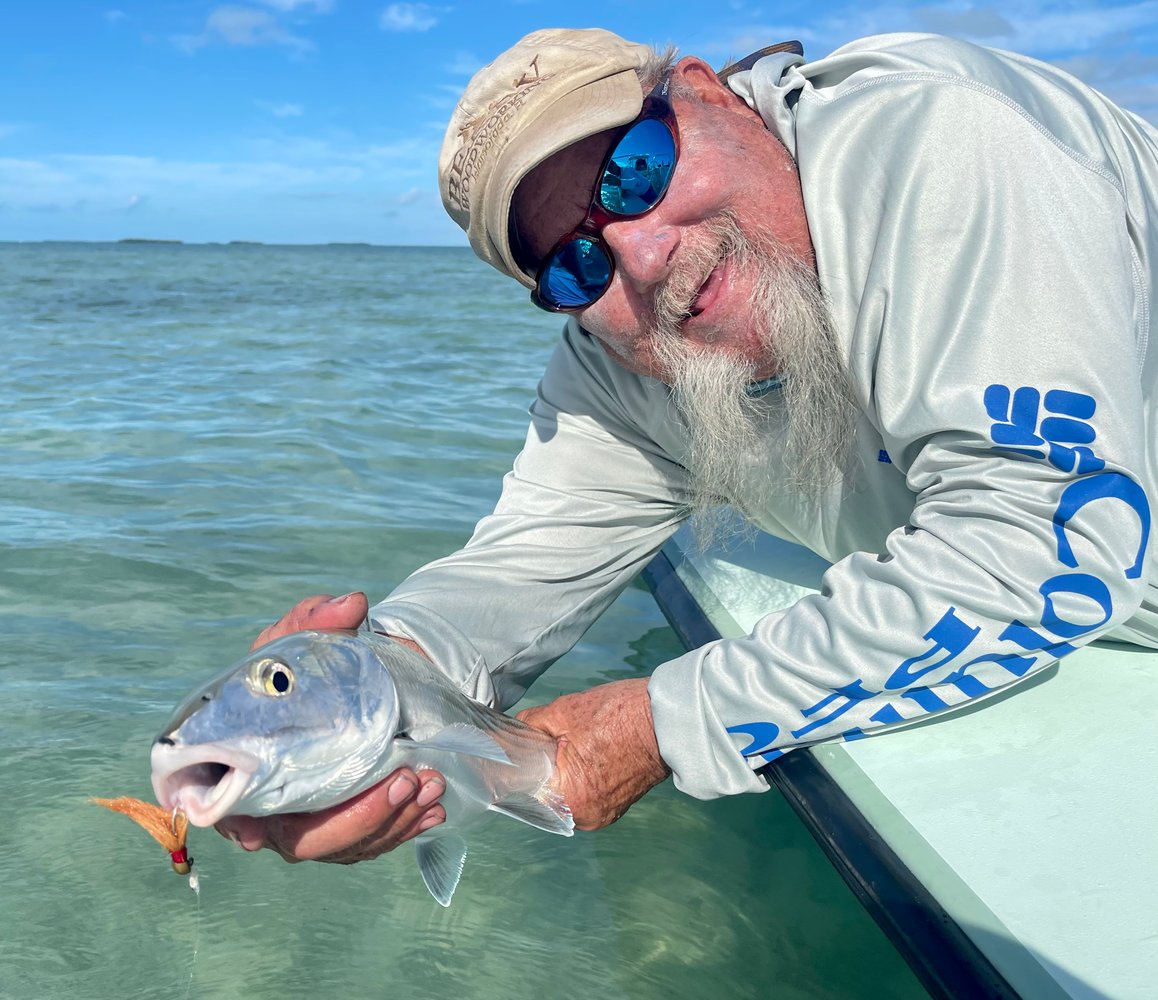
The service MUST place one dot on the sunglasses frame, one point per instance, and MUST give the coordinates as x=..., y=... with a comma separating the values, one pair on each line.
x=657, y=106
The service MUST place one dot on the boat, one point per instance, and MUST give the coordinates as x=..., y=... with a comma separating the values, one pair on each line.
x=1008, y=849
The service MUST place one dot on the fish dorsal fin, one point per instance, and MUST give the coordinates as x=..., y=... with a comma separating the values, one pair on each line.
x=547, y=811
x=460, y=737
x=440, y=861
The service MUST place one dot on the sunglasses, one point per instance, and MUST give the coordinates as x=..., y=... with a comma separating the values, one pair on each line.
x=633, y=179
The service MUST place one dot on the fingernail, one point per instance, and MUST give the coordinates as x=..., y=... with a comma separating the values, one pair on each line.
x=430, y=792
x=342, y=599
x=430, y=821
x=400, y=791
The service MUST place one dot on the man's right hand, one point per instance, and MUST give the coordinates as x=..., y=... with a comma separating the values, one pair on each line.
x=400, y=807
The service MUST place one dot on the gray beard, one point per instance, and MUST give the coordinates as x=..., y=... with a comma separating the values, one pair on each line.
x=814, y=410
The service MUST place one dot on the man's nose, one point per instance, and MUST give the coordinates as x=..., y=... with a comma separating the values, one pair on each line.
x=644, y=250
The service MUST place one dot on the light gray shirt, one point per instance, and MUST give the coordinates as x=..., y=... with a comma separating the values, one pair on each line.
x=984, y=228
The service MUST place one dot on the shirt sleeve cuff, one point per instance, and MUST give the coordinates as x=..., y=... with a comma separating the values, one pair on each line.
x=704, y=760
x=450, y=650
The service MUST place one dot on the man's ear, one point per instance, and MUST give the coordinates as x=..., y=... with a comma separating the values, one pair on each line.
x=698, y=75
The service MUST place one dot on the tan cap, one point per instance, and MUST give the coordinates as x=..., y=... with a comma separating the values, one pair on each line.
x=548, y=91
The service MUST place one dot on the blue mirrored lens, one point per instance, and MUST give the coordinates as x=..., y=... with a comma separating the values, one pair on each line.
x=575, y=274
x=639, y=169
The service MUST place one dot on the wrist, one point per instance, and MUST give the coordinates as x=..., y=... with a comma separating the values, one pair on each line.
x=645, y=733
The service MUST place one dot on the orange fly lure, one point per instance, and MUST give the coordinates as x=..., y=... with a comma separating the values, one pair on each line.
x=168, y=829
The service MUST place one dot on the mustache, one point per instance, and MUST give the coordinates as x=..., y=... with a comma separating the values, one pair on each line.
x=720, y=239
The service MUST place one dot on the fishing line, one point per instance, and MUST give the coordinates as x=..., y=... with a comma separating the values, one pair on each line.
x=183, y=864
x=193, y=884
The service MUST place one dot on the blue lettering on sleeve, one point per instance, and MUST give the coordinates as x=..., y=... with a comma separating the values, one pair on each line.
x=763, y=736
x=1015, y=420
x=1064, y=433
x=886, y=715
x=1105, y=486
x=926, y=698
x=1082, y=584
x=950, y=636
x=1027, y=638
x=851, y=693
x=971, y=687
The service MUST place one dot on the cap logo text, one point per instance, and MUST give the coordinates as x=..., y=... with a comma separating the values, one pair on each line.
x=480, y=133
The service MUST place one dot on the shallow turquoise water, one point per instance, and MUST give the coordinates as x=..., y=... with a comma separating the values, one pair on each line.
x=191, y=439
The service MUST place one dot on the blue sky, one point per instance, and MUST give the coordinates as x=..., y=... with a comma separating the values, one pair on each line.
x=309, y=121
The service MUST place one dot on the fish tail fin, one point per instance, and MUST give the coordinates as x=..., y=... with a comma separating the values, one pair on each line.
x=440, y=860
x=545, y=811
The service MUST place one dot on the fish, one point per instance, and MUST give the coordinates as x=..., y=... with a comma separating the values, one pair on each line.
x=311, y=719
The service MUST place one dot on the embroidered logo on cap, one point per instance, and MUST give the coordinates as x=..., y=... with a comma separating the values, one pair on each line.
x=480, y=133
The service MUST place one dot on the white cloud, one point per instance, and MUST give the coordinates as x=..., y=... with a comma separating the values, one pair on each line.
x=276, y=167
x=283, y=109
x=243, y=26
x=409, y=17
x=112, y=16
x=278, y=188
x=319, y=6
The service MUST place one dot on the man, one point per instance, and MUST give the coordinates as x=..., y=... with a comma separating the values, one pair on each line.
x=892, y=305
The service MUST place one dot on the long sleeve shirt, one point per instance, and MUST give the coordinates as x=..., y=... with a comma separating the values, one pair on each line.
x=985, y=233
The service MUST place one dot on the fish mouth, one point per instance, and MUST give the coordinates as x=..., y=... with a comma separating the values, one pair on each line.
x=204, y=782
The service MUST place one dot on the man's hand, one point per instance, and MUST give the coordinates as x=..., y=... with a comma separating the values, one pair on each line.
x=373, y=822
x=607, y=757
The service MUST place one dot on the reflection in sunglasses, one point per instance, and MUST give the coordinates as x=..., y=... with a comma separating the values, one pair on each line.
x=634, y=179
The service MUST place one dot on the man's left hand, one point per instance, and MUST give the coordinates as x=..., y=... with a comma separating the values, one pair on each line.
x=608, y=756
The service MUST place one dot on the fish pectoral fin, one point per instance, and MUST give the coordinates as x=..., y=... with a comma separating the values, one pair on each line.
x=440, y=860
x=547, y=811
x=460, y=737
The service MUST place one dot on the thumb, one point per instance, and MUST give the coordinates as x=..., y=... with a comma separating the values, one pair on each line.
x=319, y=612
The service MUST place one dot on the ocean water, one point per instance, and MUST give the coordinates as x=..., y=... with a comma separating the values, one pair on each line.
x=191, y=439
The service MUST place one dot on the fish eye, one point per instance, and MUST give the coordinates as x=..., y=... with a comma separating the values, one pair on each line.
x=272, y=677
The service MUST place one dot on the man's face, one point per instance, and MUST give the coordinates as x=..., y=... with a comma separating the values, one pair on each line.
x=672, y=273
x=714, y=289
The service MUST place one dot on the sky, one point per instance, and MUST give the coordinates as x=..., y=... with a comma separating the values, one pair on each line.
x=315, y=121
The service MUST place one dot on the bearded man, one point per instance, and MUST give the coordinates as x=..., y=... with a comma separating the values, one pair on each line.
x=892, y=305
